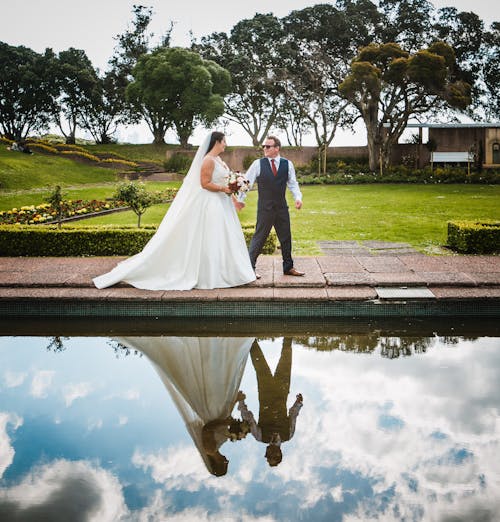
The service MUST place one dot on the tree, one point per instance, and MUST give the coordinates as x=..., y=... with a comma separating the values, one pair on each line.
x=175, y=86
x=387, y=85
x=106, y=108
x=465, y=33
x=322, y=40
x=406, y=22
x=77, y=80
x=491, y=73
x=28, y=88
x=251, y=53
x=56, y=200
x=137, y=197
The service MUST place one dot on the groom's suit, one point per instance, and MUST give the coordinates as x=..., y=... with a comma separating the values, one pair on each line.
x=272, y=207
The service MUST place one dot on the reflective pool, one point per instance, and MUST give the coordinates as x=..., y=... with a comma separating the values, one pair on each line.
x=342, y=425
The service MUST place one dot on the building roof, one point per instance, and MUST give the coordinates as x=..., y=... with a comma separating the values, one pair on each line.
x=453, y=125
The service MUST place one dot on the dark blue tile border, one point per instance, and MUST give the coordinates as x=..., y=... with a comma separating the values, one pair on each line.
x=248, y=309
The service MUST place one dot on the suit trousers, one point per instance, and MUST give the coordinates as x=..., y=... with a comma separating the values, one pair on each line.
x=267, y=218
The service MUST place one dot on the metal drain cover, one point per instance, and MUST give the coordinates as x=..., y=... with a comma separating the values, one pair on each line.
x=394, y=292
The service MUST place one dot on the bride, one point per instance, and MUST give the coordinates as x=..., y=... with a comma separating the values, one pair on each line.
x=199, y=243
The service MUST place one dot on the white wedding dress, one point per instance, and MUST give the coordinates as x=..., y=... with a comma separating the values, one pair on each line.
x=199, y=243
x=201, y=374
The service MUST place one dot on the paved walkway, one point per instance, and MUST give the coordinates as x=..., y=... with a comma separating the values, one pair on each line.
x=336, y=277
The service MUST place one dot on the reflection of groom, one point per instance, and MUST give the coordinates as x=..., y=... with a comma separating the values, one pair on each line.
x=273, y=174
x=275, y=424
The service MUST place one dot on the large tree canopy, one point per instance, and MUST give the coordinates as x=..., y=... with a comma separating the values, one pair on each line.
x=175, y=86
x=388, y=85
x=251, y=53
x=77, y=81
x=28, y=88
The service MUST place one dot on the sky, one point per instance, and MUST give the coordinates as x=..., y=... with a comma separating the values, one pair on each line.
x=93, y=24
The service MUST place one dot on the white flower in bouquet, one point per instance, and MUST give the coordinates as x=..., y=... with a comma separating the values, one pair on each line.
x=237, y=182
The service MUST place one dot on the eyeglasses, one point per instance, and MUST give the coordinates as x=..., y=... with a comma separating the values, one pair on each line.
x=268, y=146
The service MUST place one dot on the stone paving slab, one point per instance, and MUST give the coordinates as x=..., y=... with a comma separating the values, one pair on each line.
x=347, y=264
x=344, y=277
x=454, y=292
x=382, y=264
x=313, y=275
x=352, y=293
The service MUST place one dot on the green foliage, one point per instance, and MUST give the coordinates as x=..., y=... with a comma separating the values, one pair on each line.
x=137, y=197
x=249, y=159
x=469, y=237
x=26, y=171
x=55, y=200
x=25, y=240
x=85, y=241
x=178, y=162
x=28, y=89
x=175, y=86
x=348, y=171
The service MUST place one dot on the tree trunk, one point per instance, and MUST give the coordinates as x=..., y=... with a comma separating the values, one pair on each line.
x=159, y=137
x=373, y=150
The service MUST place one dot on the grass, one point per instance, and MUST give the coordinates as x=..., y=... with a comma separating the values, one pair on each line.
x=414, y=214
x=144, y=152
x=24, y=171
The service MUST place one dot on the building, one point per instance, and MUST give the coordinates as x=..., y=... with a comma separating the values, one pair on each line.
x=477, y=143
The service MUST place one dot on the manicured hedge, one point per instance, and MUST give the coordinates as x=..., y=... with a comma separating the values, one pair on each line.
x=469, y=237
x=38, y=240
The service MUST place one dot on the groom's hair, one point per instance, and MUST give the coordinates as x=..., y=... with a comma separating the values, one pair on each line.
x=216, y=137
x=277, y=142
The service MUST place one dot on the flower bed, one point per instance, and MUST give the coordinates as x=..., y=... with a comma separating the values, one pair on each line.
x=44, y=213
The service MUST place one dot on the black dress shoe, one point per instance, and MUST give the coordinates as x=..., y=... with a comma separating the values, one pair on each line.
x=294, y=272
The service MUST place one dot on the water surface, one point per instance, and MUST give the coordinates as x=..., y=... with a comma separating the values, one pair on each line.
x=400, y=425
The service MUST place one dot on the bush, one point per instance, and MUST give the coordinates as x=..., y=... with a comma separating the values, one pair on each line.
x=178, y=163
x=25, y=240
x=347, y=173
x=248, y=160
x=469, y=237
x=74, y=154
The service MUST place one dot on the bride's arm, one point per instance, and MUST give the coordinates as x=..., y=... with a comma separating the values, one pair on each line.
x=207, y=169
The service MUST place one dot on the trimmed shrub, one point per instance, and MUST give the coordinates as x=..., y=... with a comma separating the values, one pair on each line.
x=25, y=240
x=178, y=163
x=469, y=237
x=74, y=154
x=43, y=148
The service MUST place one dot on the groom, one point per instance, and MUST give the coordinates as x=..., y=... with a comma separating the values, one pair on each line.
x=273, y=174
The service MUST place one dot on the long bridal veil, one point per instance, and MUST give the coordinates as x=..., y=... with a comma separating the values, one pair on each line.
x=201, y=374
x=164, y=262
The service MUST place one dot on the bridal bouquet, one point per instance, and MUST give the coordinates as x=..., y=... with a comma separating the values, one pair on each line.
x=237, y=182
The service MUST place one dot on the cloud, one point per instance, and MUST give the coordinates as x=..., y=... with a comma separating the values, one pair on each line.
x=41, y=382
x=6, y=450
x=75, y=391
x=14, y=379
x=64, y=490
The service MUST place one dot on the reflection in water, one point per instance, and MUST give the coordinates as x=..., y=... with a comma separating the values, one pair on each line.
x=202, y=375
x=274, y=425
x=396, y=427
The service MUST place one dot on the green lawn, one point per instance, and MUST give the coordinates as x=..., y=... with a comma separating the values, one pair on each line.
x=25, y=171
x=415, y=214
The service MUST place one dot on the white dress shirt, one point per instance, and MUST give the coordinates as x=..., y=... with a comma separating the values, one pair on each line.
x=254, y=171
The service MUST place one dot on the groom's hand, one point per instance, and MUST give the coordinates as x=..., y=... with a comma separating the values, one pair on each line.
x=238, y=205
x=298, y=204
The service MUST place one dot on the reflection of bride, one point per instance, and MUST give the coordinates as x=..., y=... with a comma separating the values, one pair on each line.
x=199, y=243
x=202, y=375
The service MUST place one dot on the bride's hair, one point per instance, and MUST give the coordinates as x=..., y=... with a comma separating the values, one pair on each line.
x=214, y=138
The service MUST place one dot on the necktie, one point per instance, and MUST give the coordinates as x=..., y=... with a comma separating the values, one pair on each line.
x=273, y=166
